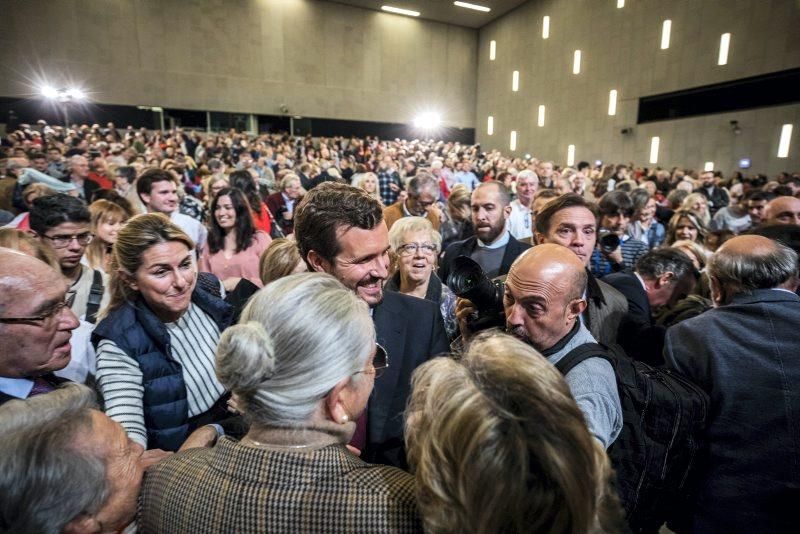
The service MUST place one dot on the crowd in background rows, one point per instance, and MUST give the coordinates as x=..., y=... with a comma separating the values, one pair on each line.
x=122, y=210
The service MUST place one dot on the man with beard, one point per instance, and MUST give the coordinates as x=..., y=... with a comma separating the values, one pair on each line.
x=340, y=231
x=493, y=247
x=717, y=197
x=543, y=302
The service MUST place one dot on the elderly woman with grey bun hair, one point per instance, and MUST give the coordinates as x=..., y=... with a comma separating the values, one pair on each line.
x=302, y=363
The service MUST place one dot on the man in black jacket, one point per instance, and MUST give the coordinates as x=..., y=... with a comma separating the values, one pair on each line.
x=717, y=197
x=340, y=231
x=493, y=247
x=662, y=277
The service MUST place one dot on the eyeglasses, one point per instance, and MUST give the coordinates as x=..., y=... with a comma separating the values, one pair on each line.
x=380, y=362
x=62, y=241
x=54, y=311
x=409, y=249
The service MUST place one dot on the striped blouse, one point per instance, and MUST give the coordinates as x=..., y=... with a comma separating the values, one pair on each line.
x=194, y=338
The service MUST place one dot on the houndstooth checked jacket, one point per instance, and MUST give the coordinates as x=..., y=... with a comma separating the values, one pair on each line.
x=236, y=488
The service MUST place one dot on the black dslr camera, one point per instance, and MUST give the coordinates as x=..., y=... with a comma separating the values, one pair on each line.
x=467, y=280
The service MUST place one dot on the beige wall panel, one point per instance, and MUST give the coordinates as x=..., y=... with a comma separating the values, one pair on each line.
x=620, y=50
x=321, y=59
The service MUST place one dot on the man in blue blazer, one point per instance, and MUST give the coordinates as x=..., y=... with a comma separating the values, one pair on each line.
x=340, y=231
x=745, y=353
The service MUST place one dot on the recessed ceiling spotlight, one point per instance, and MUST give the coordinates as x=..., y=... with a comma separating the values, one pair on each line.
x=400, y=11
x=476, y=7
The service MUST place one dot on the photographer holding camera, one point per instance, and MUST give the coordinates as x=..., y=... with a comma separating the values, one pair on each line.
x=616, y=250
x=543, y=302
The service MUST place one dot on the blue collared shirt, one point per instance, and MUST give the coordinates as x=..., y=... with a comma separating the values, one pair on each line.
x=16, y=387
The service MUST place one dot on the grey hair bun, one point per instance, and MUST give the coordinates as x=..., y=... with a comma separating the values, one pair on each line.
x=245, y=357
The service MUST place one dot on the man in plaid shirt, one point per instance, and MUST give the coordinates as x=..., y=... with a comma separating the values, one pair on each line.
x=389, y=181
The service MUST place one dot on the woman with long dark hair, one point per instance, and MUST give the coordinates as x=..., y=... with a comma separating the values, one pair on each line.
x=244, y=182
x=234, y=243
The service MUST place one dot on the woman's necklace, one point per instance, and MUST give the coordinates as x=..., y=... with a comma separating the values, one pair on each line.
x=274, y=446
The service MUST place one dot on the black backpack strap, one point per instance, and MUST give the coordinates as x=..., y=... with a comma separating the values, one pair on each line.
x=581, y=353
x=95, y=297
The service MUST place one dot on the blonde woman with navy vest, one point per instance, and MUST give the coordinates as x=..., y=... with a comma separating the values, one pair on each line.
x=156, y=339
x=302, y=380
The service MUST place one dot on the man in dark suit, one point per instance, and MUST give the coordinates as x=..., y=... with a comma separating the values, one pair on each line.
x=492, y=247
x=661, y=277
x=35, y=326
x=744, y=354
x=340, y=231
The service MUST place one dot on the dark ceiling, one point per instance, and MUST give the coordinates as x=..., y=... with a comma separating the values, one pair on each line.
x=444, y=10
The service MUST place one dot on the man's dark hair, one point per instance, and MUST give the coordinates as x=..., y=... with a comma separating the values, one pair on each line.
x=783, y=191
x=567, y=200
x=788, y=234
x=662, y=260
x=127, y=172
x=112, y=196
x=502, y=191
x=615, y=202
x=144, y=185
x=52, y=210
x=37, y=155
x=325, y=209
x=583, y=165
x=759, y=195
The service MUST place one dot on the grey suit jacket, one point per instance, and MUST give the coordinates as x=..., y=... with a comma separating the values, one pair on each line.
x=746, y=355
x=604, y=310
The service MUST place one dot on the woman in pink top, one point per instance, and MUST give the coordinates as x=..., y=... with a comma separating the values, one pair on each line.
x=234, y=244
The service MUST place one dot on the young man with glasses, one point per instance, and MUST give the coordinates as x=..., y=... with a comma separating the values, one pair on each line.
x=35, y=326
x=63, y=223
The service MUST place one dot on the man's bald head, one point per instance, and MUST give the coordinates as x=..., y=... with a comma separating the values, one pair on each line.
x=554, y=264
x=782, y=210
x=544, y=295
x=750, y=262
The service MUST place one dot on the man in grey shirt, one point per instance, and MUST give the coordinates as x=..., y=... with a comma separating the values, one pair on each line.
x=543, y=303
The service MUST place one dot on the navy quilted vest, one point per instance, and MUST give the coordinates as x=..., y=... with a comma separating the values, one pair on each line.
x=142, y=336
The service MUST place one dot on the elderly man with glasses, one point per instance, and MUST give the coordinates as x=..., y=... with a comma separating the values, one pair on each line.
x=423, y=193
x=35, y=326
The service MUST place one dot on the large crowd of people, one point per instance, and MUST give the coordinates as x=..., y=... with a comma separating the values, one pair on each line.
x=219, y=332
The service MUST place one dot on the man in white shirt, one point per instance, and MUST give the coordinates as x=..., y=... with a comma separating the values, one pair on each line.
x=158, y=190
x=520, y=222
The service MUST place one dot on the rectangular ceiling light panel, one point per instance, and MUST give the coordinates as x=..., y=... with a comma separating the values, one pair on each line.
x=400, y=11
x=476, y=7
